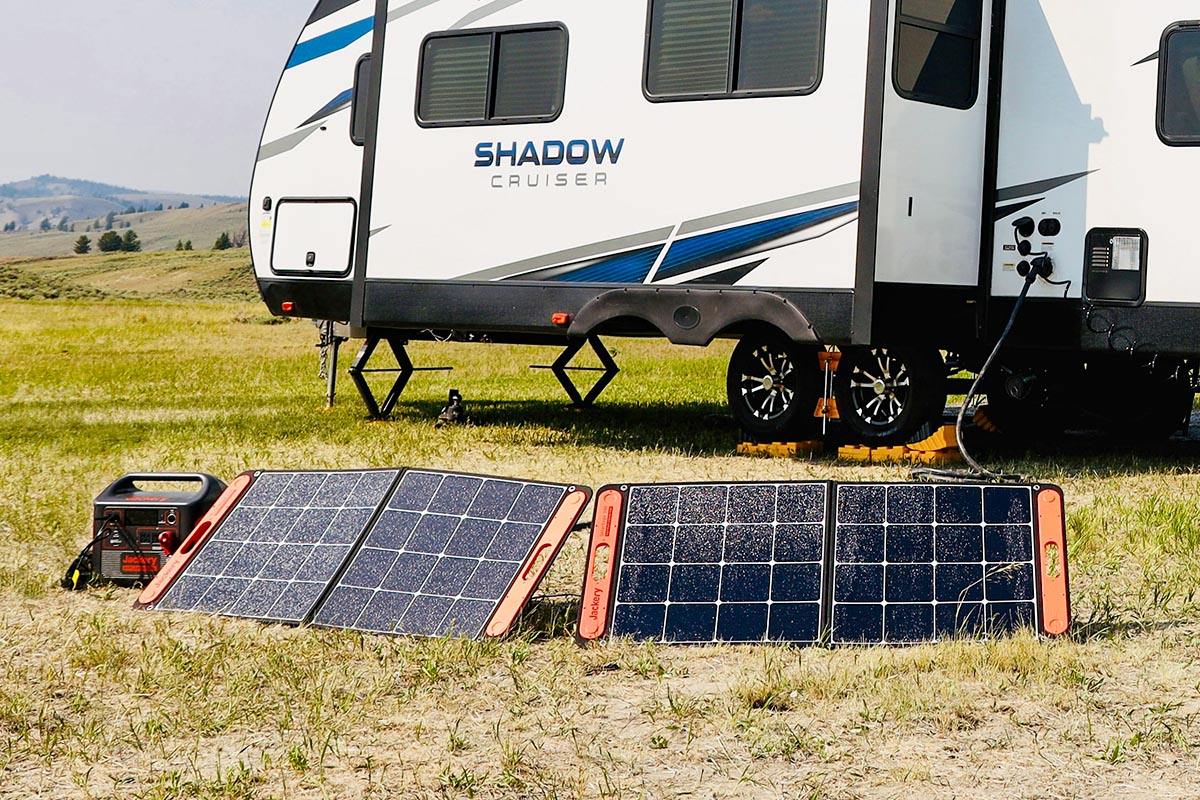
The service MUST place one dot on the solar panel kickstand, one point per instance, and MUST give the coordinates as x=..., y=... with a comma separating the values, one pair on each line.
x=561, y=369
x=405, y=369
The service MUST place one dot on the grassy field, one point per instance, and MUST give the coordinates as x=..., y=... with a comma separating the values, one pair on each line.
x=99, y=700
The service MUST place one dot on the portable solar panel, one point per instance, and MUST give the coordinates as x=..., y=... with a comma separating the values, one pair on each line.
x=452, y=553
x=274, y=549
x=809, y=562
x=392, y=551
x=698, y=563
x=919, y=562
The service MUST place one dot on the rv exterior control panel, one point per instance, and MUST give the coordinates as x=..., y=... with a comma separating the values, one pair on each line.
x=801, y=173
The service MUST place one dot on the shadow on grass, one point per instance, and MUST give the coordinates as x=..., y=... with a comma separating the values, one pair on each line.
x=548, y=617
x=697, y=428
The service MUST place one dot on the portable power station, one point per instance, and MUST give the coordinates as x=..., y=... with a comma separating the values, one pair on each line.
x=135, y=529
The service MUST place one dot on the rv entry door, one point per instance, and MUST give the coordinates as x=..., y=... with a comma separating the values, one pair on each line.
x=934, y=116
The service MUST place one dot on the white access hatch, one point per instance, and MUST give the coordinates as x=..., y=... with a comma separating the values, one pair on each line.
x=314, y=236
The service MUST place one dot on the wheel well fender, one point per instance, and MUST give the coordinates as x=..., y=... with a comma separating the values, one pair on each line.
x=694, y=317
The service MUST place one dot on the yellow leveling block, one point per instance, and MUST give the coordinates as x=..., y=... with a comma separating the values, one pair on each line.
x=939, y=449
x=782, y=449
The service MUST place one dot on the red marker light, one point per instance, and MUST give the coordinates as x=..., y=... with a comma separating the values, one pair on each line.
x=288, y=306
x=561, y=318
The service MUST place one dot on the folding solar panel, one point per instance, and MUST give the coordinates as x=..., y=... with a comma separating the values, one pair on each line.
x=919, y=563
x=809, y=562
x=274, y=549
x=452, y=553
x=394, y=551
x=695, y=563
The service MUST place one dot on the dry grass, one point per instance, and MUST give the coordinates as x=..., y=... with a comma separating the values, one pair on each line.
x=98, y=700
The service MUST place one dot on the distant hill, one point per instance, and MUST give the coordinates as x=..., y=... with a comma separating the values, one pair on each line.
x=25, y=204
x=157, y=231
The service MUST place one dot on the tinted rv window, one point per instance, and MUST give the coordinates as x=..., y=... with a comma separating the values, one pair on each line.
x=454, y=79
x=530, y=74
x=937, y=51
x=700, y=49
x=508, y=75
x=1179, y=86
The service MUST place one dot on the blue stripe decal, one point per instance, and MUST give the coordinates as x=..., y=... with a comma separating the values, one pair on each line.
x=336, y=104
x=627, y=268
x=330, y=42
x=698, y=252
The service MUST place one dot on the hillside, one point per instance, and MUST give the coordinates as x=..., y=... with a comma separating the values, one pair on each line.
x=202, y=275
x=157, y=230
x=47, y=197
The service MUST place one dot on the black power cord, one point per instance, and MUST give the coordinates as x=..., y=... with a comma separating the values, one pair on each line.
x=80, y=573
x=977, y=472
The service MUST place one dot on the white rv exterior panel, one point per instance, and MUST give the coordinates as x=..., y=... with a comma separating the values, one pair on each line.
x=1078, y=111
x=685, y=168
x=306, y=152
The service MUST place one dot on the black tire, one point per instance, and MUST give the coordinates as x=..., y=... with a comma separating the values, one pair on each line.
x=887, y=396
x=773, y=386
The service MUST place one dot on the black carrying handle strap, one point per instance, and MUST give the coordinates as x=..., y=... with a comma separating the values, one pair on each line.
x=127, y=484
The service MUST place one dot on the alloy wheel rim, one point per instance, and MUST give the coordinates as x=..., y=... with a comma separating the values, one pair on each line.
x=880, y=388
x=765, y=383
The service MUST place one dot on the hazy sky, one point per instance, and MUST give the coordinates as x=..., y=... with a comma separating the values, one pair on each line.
x=150, y=94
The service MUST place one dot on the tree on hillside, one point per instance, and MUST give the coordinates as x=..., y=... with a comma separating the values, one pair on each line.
x=110, y=242
x=179, y=246
x=108, y=220
x=187, y=245
x=238, y=239
x=10, y=227
x=130, y=243
x=62, y=223
x=184, y=205
x=83, y=246
x=159, y=207
x=45, y=226
x=223, y=242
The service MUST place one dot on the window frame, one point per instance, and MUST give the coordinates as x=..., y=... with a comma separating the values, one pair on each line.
x=1171, y=140
x=976, y=41
x=734, y=50
x=493, y=73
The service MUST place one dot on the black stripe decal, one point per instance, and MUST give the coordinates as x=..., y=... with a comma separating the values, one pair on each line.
x=1009, y=210
x=1038, y=187
x=728, y=277
x=328, y=7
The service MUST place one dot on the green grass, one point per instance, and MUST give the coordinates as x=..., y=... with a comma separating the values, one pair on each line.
x=99, y=700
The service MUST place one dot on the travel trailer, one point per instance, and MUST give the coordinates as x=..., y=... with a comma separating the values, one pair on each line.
x=886, y=177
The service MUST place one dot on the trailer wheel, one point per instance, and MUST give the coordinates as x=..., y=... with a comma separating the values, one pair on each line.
x=885, y=395
x=773, y=386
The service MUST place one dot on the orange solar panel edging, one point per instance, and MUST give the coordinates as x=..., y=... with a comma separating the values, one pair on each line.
x=1052, y=562
x=539, y=561
x=601, y=565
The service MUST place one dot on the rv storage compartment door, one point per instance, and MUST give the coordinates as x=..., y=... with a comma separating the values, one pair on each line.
x=314, y=236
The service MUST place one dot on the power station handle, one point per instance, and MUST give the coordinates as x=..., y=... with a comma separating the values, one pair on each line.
x=127, y=484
